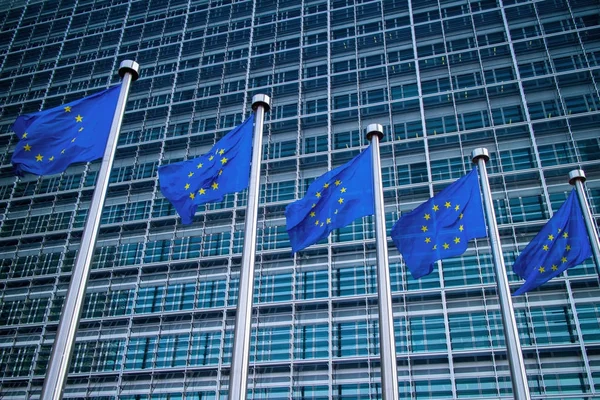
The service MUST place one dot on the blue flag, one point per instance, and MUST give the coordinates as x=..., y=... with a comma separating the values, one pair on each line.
x=442, y=226
x=332, y=201
x=562, y=243
x=53, y=139
x=208, y=178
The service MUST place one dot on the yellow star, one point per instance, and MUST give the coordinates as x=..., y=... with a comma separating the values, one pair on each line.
x=27, y=147
x=79, y=118
x=435, y=247
x=564, y=259
x=457, y=240
x=199, y=166
x=448, y=205
x=221, y=152
x=202, y=191
x=435, y=208
x=328, y=220
x=554, y=268
x=322, y=223
x=190, y=174
x=211, y=158
x=341, y=200
x=68, y=109
x=187, y=186
x=343, y=190
x=427, y=240
x=545, y=247
x=80, y=129
x=338, y=182
x=424, y=228
x=542, y=270
x=446, y=246
x=192, y=196
x=427, y=217
x=313, y=214
x=457, y=207
x=565, y=235
x=550, y=237
x=336, y=211
x=317, y=222
x=73, y=140
x=215, y=185
x=318, y=194
x=62, y=151
x=224, y=160
x=460, y=216
x=39, y=157
x=326, y=185
x=24, y=136
x=220, y=172
x=568, y=248
x=51, y=158
x=314, y=205
x=461, y=228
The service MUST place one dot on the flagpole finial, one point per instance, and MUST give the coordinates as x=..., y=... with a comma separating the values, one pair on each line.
x=374, y=129
x=261, y=100
x=576, y=175
x=480, y=152
x=129, y=66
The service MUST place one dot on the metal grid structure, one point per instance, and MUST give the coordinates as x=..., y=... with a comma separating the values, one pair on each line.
x=517, y=77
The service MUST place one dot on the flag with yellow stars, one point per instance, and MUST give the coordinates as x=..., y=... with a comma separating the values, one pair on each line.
x=562, y=243
x=208, y=178
x=51, y=140
x=332, y=201
x=442, y=226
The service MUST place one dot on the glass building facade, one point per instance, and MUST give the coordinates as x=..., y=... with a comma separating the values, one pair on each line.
x=518, y=77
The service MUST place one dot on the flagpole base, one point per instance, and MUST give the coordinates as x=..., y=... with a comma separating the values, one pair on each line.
x=374, y=129
x=129, y=66
x=478, y=153
x=576, y=175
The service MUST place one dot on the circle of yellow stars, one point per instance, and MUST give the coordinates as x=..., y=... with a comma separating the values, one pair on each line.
x=214, y=185
x=551, y=238
x=427, y=216
x=319, y=194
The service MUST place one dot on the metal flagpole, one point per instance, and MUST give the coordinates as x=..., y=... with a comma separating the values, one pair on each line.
x=62, y=350
x=387, y=343
x=515, y=356
x=238, y=376
x=576, y=178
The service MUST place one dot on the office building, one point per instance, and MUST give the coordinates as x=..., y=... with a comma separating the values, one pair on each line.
x=518, y=77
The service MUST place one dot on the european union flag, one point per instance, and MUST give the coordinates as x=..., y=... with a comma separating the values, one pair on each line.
x=208, y=178
x=562, y=243
x=442, y=226
x=332, y=201
x=51, y=140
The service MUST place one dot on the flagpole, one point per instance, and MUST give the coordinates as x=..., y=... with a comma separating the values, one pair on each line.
x=238, y=375
x=513, y=348
x=387, y=343
x=62, y=350
x=576, y=178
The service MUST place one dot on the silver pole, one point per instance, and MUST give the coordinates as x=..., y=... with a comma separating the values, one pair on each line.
x=238, y=377
x=513, y=348
x=576, y=178
x=387, y=342
x=58, y=367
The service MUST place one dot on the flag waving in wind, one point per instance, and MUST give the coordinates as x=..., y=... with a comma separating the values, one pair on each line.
x=562, y=243
x=332, y=201
x=208, y=178
x=51, y=140
x=442, y=226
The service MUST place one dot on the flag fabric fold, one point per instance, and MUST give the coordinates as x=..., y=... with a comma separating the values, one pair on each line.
x=208, y=178
x=561, y=244
x=51, y=140
x=442, y=226
x=332, y=201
